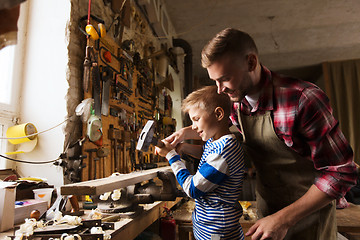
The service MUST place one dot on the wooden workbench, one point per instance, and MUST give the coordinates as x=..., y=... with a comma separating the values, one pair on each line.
x=348, y=220
x=126, y=228
x=130, y=228
x=183, y=215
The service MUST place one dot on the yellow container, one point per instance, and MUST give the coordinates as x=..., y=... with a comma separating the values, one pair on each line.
x=20, y=131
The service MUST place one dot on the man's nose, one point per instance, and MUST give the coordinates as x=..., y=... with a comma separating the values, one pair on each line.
x=193, y=127
x=219, y=88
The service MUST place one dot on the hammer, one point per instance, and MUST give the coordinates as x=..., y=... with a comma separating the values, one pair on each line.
x=147, y=137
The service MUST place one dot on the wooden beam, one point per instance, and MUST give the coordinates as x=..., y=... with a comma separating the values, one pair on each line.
x=100, y=186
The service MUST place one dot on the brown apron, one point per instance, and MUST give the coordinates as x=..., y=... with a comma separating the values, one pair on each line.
x=283, y=176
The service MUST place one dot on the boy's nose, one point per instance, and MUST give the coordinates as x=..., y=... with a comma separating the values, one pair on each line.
x=193, y=127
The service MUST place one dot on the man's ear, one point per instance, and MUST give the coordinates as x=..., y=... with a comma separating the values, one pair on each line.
x=219, y=113
x=252, y=61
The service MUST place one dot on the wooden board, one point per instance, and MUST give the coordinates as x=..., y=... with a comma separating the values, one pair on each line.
x=100, y=186
x=348, y=219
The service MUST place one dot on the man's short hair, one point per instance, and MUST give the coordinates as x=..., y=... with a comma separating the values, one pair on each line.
x=228, y=41
x=207, y=99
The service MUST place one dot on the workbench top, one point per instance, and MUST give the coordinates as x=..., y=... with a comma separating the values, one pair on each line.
x=127, y=228
x=130, y=228
x=348, y=219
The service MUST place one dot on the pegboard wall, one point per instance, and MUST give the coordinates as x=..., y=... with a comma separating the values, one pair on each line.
x=125, y=96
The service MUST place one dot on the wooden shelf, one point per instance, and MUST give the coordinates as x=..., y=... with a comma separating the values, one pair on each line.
x=100, y=186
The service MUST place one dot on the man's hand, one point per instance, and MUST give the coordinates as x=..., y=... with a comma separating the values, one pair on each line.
x=164, y=150
x=270, y=227
x=275, y=226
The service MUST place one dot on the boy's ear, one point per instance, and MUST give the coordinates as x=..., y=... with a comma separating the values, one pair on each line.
x=219, y=113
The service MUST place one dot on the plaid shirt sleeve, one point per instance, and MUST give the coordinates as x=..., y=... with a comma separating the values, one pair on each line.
x=303, y=119
x=330, y=151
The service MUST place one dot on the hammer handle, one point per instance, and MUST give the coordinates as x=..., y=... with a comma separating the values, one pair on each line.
x=160, y=144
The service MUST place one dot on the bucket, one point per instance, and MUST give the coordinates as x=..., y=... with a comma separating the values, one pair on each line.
x=43, y=194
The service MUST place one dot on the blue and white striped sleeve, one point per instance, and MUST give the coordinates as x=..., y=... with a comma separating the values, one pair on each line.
x=210, y=175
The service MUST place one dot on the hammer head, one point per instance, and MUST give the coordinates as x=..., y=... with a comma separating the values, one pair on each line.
x=146, y=136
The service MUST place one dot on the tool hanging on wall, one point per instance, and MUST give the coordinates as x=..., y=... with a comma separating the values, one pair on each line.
x=106, y=78
x=87, y=60
x=87, y=66
x=90, y=161
x=122, y=8
x=94, y=33
x=94, y=126
x=90, y=30
x=115, y=136
x=95, y=73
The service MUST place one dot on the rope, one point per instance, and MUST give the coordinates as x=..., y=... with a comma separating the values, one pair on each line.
x=89, y=11
x=29, y=162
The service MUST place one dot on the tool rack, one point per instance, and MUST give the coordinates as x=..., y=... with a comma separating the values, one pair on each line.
x=133, y=98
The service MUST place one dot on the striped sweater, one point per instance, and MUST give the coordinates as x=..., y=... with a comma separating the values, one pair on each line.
x=215, y=187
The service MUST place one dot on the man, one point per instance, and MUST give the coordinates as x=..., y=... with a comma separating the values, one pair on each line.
x=303, y=160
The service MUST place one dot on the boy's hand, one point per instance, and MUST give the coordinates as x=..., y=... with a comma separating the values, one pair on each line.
x=164, y=150
x=181, y=135
x=180, y=148
x=175, y=138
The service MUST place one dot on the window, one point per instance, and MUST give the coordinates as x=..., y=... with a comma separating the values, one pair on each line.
x=6, y=73
x=7, y=90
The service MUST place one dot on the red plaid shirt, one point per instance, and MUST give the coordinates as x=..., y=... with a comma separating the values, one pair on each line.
x=302, y=118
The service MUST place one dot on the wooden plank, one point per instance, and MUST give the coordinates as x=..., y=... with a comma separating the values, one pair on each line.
x=100, y=186
x=348, y=219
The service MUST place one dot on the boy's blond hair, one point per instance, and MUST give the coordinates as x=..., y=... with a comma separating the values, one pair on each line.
x=207, y=99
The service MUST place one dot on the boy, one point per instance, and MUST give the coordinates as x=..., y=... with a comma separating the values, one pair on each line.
x=218, y=181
